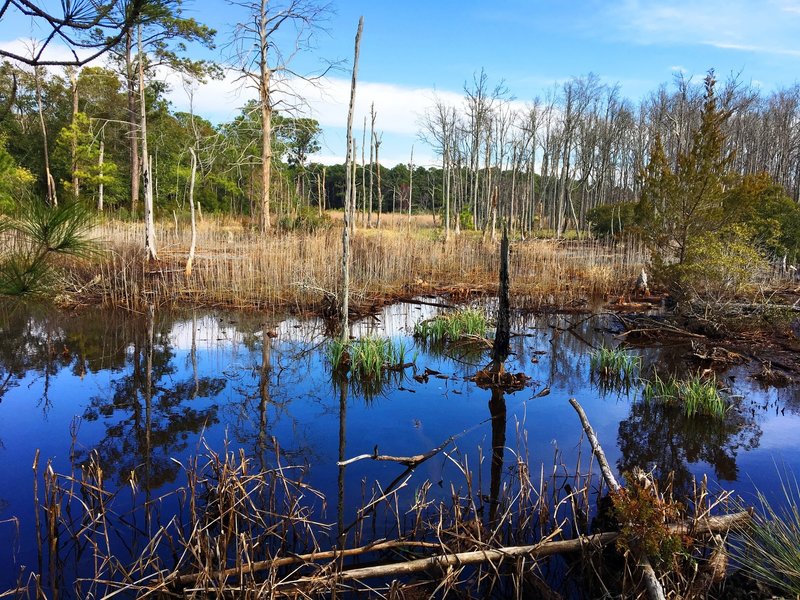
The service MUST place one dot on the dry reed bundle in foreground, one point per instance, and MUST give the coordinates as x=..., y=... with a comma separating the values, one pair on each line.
x=236, y=267
x=234, y=531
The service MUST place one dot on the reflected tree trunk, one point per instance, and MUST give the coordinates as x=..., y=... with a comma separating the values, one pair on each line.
x=194, y=356
x=148, y=411
x=263, y=394
x=342, y=449
x=497, y=409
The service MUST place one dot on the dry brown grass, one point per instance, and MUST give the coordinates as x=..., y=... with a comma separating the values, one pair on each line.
x=238, y=527
x=237, y=267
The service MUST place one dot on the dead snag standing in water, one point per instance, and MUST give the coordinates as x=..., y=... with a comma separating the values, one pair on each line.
x=346, y=229
x=495, y=374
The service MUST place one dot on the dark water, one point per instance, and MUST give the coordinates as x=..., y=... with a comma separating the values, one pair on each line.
x=149, y=391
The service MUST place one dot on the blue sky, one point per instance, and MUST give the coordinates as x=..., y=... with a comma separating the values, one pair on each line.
x=413, y=49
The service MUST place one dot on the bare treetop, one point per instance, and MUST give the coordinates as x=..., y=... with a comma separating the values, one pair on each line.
x=91, y=25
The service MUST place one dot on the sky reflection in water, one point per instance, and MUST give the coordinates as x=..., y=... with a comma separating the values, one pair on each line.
x=205, y=378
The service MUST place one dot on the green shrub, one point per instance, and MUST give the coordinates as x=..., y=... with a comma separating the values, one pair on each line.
x=305, y=219
x=465, y=219
x=722, y=264
x=612, y=219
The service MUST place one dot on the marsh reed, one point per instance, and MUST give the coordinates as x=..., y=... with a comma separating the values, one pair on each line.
x=238, y=268
x=251, y=527
x=237, y=527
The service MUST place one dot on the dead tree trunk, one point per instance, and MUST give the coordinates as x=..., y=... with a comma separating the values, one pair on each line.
x=147, y=172
x=51, y=183
x=502, y=338
x=345, y=300
x=653, y=585
x=101, y=185
x=193, y=243
x=410, y=184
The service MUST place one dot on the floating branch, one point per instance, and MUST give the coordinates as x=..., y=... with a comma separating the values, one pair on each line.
x=408, y=461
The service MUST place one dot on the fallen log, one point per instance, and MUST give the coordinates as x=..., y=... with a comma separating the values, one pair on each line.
x=651, y=582
x=274, y=563
x=705, y=526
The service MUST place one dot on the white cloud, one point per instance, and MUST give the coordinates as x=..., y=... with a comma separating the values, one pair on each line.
x=25, y=47
x=398, y=110
x=763, y=26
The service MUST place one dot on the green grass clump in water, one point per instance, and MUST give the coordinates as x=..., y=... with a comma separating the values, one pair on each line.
x=615, y=365
x=768, y=547
x=697, y=394
x=452, y=327
x=366, y=357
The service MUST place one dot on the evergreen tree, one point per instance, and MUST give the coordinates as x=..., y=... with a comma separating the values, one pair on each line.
x=676, y=207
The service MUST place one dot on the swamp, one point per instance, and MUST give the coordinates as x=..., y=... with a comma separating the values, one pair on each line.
x=142, y=417
x=252, y=347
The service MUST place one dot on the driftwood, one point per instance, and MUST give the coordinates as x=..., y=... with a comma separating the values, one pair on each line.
x=705, y=526
x=653, y=585
x=408, y=461
x=332, y=555
x=647, y=326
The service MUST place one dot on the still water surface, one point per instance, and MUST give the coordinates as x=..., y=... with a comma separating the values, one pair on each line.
x=147, y=392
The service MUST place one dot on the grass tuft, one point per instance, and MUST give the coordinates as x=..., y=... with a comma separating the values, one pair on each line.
x=452, y=327
x=366, y=357
x=615, y=366
x=768, y=548
x=697, y=394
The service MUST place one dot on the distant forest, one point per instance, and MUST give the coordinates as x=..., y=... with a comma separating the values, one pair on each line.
x=552, y=165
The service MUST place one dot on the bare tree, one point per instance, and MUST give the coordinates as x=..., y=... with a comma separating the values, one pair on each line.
x=261, y=62
x=51, y=183
x=438, y=131
x=350, y=184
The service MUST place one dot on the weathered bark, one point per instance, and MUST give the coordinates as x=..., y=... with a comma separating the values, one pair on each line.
x=101, y=185
x=133, y=132
x=364, y=172
x=378, y=142
x=371, y=162
x=147, y=175
x=265, y=73
x=73, y=146
x=502, y=338
x=193, y=242
x=410, y=183
x=540, y=550
x=345, y=299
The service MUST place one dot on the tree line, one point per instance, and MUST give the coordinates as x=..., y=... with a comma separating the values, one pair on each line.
x=574, y=159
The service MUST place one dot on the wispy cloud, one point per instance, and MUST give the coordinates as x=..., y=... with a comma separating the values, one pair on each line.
x=763, y=26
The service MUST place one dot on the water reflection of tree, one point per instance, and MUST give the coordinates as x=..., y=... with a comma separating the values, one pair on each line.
x=497, y=410
x=39, y=342
x=661, y=437
x=148, y=416
x=261, y=407
x=32, y=343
